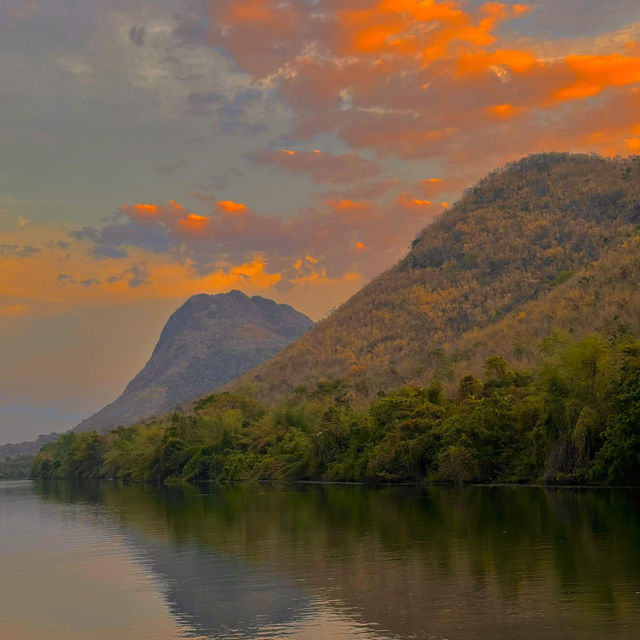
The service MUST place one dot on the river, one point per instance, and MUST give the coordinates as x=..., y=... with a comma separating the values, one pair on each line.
x=101, y=561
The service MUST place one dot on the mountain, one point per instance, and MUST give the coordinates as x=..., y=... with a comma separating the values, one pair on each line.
x=549, y=242
x=207, y=342
x=26, y=448
x=503, y=348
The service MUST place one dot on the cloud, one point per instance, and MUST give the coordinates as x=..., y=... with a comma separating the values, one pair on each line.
x=137, y=35
x=366, y=190
x=13, y=310
x=77, y=66
x=324, y=241
x=233, y=113
x=23, y=251
x=168, y=169
x=19, y=9
x=320, y=166
x=422, y=79
x=64, y=278
x=139, y=275
x=64, y=274
x=232, y=208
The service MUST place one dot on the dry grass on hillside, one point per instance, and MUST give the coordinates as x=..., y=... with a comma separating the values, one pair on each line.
x=546, y=242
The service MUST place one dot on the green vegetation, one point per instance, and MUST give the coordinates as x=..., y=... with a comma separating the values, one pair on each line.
x=576, y=420
x=16, y=467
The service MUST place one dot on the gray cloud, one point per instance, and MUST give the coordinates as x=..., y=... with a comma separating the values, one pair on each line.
x=64, y=278
x=24, y=251
x=167, y=169
x=137, y=34
x=109, y=241
x=139, y=274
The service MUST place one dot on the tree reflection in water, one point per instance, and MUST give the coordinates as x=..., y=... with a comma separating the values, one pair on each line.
x=433, y=562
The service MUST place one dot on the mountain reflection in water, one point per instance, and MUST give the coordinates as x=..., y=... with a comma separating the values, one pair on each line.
x=312, y=561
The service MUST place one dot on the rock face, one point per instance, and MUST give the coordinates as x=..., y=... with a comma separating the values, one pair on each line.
x=207, y=342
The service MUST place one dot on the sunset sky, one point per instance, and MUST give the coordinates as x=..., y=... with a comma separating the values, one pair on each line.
x=154, y=149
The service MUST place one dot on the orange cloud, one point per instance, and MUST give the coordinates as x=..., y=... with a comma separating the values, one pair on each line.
x=407, y=202
x=481, y=61
x=503, y=111
x=419, y=78
x=594, y=73
x=260, y=11
x=259, y=33
x=231, y=207
x=322, y=279
x=193, y=223
x=146, y=209
x=633, y=144
x=347, y=205
x=411, y=27
x=152, y=213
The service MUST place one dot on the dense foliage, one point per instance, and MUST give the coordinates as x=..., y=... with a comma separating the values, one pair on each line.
x=13, y=467
x=577, y=420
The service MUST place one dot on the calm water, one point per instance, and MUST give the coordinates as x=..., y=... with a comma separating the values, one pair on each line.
x=105, y=561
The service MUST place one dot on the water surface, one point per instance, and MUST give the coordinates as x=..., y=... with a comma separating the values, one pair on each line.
x=103, y=561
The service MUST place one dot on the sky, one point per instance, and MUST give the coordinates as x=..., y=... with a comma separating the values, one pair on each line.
x=155, y=149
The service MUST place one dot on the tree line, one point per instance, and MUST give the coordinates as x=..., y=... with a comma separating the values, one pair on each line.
x=576, y=420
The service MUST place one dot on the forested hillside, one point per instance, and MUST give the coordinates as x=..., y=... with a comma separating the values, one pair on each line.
x=575, y=421
x=504, y=347
x=549, y=241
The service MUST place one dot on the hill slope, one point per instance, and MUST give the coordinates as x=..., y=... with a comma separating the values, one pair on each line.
x=541, y=239
x=26, y=448
x=207, y=342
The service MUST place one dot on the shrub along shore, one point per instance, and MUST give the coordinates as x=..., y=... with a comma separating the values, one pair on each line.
x=576, y=420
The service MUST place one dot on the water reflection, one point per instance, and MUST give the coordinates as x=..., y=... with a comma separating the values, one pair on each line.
x=216, y=593
x=327, y=561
